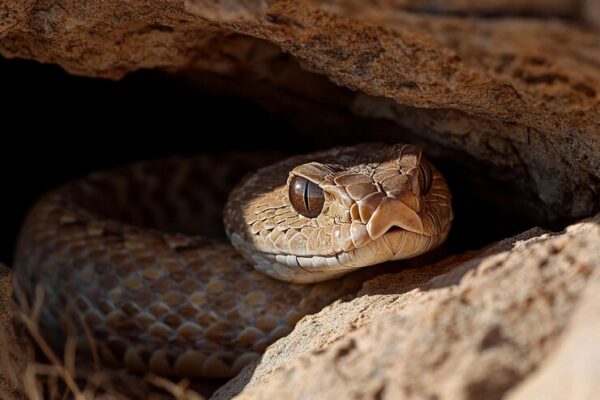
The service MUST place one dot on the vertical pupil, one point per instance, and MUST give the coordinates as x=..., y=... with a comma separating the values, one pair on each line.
x=306, y=197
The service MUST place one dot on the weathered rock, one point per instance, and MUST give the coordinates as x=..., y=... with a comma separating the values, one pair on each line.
x=105, y=39
x=474, y=332
x=516, y=96
x=573, y=370
x=508, y=89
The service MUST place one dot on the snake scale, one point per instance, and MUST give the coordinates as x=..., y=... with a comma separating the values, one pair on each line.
x=137, y=254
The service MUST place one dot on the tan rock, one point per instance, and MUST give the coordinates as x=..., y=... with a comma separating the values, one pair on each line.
x=572, y=371
x=474, y=332
x=517, y=97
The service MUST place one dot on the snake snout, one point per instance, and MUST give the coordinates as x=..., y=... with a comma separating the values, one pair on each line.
x=392, y=213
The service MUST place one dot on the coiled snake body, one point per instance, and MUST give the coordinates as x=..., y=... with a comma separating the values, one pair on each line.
x=135, y=253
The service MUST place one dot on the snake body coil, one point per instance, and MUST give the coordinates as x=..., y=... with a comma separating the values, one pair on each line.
x=136, y=252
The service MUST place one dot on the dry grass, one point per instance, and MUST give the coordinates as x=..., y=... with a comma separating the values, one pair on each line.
x=53, y=376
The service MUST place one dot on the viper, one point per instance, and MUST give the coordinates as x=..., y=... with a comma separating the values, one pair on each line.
x=137, y=256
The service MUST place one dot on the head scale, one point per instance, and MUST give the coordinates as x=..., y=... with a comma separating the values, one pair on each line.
x=318, y=216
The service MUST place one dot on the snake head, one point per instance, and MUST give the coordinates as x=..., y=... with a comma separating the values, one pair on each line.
x=329, y=213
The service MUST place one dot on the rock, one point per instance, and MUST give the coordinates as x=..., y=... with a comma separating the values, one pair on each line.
x=573, y=370
x=16, y=349
x=474, y=332
x=108, y=39
x=515, y=56
x=506, y=93
x=516, y=97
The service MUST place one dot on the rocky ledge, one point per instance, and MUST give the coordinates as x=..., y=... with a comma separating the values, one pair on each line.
x=509, y=92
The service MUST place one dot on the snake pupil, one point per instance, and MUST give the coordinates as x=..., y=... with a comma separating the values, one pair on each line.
x=306, y=197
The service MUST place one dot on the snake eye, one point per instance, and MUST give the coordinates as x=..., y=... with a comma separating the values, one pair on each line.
x=306, y=197
x=425, y=177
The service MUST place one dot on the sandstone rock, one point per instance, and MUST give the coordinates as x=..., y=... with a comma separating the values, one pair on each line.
x=474, y=332
x=573, y=370
x=516, y=96
x=508, y=89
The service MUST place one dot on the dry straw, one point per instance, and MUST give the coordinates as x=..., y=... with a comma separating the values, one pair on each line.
x=49, y=376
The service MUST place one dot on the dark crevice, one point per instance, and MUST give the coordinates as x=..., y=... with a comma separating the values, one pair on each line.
x=57, y=127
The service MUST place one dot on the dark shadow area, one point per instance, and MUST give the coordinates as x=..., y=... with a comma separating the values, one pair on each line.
x=56, y=127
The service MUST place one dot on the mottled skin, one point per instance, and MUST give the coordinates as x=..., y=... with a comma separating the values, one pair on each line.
x=136, y=253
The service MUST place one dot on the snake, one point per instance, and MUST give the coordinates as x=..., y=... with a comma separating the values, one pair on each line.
x=142, y=258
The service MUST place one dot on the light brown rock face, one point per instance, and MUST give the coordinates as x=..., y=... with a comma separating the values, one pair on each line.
x=513, y=96
x=475, y=332
x=573, y=370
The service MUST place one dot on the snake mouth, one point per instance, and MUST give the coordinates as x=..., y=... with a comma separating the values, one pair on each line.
x=395, y=244
x=393, y=232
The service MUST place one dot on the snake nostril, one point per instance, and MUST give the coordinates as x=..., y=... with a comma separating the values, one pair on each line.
x=395, y=229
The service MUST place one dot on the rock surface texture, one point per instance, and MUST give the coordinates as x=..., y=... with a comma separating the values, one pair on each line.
x=499, y=321
x=573, y=370
x=517, y=96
